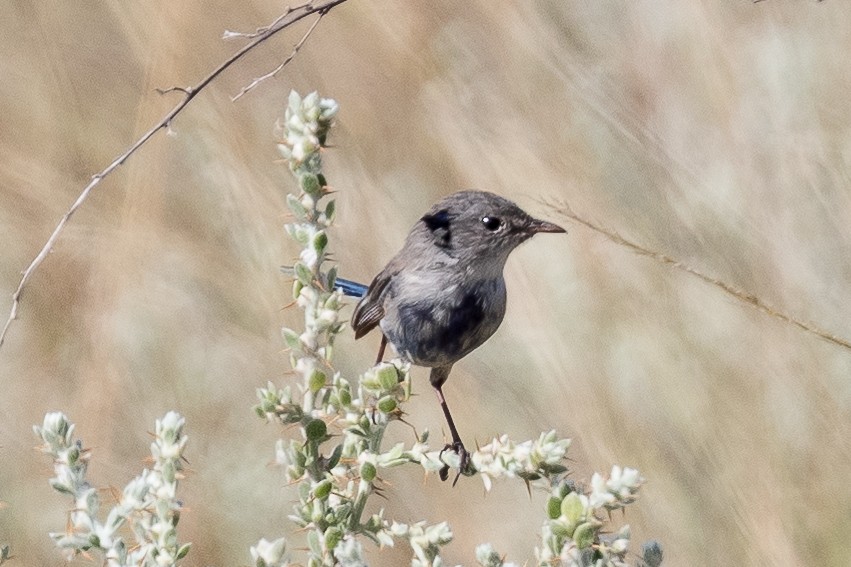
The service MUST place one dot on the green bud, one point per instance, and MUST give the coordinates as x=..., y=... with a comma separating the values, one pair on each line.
x=297, y=287
x=322, y=490
x=367, y=471
x=333, y=535
x=387, y=404
x=183, y=550
x=345, y=397
x=651, y=553
x=316, y=430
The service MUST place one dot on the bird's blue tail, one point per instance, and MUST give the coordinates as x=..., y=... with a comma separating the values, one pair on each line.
x=350, y=288
x=346, y=287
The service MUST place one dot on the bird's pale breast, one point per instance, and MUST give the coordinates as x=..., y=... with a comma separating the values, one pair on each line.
x=435, y=322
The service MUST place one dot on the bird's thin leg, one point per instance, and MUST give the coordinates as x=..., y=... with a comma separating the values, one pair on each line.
x=456, y=439
x=381, y=349
x=456, y=445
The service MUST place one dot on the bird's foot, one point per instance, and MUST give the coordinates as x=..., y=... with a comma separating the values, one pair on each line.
x=458, y=448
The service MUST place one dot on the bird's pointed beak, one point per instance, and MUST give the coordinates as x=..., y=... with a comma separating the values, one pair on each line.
x=537, y=226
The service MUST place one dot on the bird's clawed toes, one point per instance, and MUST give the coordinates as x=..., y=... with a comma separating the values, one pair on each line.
x=458, y=448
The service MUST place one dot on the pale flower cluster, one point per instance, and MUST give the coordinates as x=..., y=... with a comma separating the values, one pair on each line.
x=425, y=540
x=504, y=458
x=148, y=503
x=306, y=123
x=618, y=490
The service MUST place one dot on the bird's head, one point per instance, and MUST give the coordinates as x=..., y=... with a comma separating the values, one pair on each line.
x=477, y=226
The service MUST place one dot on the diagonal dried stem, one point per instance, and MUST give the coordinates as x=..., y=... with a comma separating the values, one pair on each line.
x=741, y=295
x=291, y=16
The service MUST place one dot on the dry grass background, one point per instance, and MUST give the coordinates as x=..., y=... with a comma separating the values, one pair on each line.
x=717, y=132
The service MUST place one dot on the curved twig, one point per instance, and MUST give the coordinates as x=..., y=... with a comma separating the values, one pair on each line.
x=292, y=15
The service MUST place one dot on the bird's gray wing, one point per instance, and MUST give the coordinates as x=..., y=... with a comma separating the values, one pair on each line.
x=370, y=309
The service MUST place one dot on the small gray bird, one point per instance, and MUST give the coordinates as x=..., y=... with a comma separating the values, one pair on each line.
x=443, y=294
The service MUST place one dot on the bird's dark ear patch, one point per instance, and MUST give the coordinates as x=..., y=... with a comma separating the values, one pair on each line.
x=440, y=219
x=438, y=224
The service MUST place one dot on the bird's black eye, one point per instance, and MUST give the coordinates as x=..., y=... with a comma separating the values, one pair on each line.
x=492, y=223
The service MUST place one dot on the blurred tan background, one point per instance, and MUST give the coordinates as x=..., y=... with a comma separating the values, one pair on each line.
x=716, y=132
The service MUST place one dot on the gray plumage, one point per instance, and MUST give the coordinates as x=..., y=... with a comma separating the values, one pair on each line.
x=443, y=294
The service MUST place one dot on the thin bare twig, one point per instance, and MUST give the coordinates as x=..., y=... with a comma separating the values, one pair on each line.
x=741, y=295
x=260, y=31
x=283, y=64
x=292, y=15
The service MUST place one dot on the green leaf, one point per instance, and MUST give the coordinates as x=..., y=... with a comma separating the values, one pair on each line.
x=296, y=207
x=583, y=536
x=183, y=550
x=317, y=380
x=294, y=101
x=330, y=210
x=553, y=507
x=320, y=241
x=572, y=508
x=334, y=459
x=303, y=273
x=388, y=377
x=561, y=528
x=552, y=469
x=310, y=184
x=313, y=542
x=331, y=278
x=291, y=338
